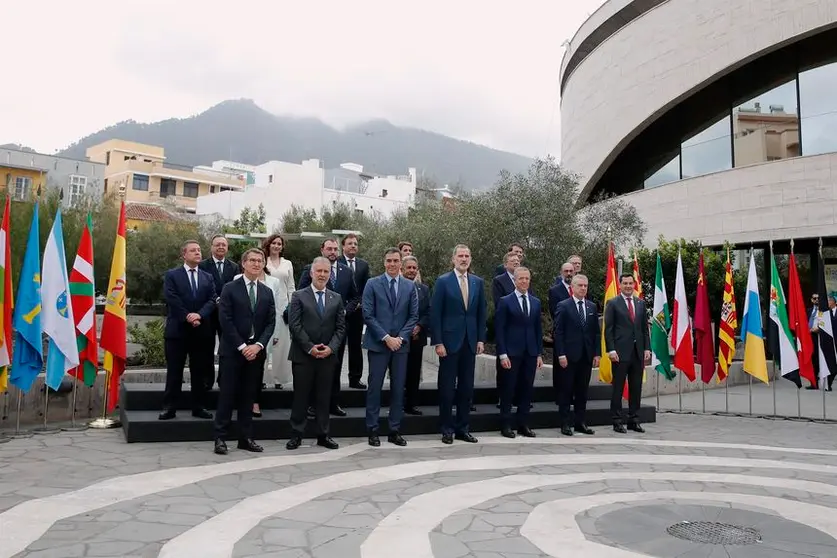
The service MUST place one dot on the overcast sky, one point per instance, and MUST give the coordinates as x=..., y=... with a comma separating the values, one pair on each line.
x=476, y=70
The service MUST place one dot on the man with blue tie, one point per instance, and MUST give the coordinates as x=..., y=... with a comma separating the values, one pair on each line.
x=190, y=303
x=519, y=335
x=578, y=345
x=458, y=331
x=390, y=310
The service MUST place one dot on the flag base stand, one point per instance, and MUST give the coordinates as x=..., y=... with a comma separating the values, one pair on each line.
x=104, y=423
x=74, y=427
x=4, y=439
x=46, y=429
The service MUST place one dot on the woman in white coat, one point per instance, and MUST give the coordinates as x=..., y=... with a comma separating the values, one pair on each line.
x=282, y=270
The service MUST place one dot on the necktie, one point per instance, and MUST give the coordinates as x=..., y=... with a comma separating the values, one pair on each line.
x=463, y=287
x=581, y=314
x=333, y=277
x=631, y=309
x=392, y=293
x=220, y=267
x=352, y=265
x=193, y=282
x=320, y=303
x=523, y=301
x=251, y=292
x=570, y=288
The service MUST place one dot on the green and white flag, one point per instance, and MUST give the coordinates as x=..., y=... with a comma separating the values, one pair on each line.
x=660, y=326
x=783, y=338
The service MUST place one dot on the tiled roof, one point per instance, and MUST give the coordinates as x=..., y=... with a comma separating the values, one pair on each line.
x=148, y=212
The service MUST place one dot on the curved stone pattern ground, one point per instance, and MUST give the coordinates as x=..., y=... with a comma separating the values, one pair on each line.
x=712, y=478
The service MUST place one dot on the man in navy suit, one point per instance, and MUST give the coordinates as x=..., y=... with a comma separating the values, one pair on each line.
x=190, y=302
x=515, y=248
x=562, y=289
x=457, y=326
x=578, y=344
x=519, y=335
x=390, y=310
x=418, y=340
x=354, y=321
x=503, y=285
x=247, y=312
x=342, y=282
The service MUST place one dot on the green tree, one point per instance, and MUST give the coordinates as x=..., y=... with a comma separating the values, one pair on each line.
x=249, y=221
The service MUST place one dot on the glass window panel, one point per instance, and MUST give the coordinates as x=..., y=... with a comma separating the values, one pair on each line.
x=766, y=127
x=670, y=172
x=818, y=102
x=708, y=151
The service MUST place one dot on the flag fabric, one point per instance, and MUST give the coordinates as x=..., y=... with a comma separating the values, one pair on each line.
x=5, y=298
x=827, y=355
x=605, y=366
x=660, y=326
x=728, y=325
x=83, y=296
x=114, y=324
x=57, y=312
x=703, y=327
x=681, y=329
x=640, y=294
x=798, y=321
x=28, y=357
x=755, y=363
x=783, y=343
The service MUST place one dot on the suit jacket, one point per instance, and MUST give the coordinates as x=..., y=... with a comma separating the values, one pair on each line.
x=557, y=294
x=384, y=316
x=499, y=270
x=180, y=301
x=308, y=328
x=238, y=320
x=451, y=324
x=423, y=296
x=231, y=269
x=501, y=286
x=361, y=272
x=345, y=287
x=622, y=335
x=516, y=333
x=573, y=338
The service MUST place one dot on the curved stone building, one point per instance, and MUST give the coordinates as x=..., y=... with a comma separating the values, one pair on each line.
x=716, y=119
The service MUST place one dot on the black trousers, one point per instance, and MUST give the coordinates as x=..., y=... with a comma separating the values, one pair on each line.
x=574, y=382
x=198, y=348
x=517, y=386
x=312, y=381
x=354, y=337
x=815, y=360
x=335, y=379
x=411, y=385
x=630, y=371
x=239, y=378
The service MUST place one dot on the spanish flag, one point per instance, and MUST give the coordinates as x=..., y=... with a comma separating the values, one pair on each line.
x=115, y=324
x=605, y=366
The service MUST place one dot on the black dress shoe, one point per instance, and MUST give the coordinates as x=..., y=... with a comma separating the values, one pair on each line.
x=473, y=408
x=221, y=447
x=278, y=386
x=636, y=427
x=250, y=445
x=357, y=385
x=257, y=414
x=466, y=437
x=167, y=414
x=202, y=414
x=293, y=443
x=507, y=432
x=566, y=431
x=338, y=411
x=526, y=432
x=327, y=443
x=413, y=411
x=395, y=438
x=620, y=428
x=447, y=439
x=374, y=440
x=584, y=429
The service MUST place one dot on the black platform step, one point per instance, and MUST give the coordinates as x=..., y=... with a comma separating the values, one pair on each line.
x=144, y=426
x=148, y=397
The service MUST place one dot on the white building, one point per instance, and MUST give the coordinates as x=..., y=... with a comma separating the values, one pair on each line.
x=279, y=185
x=715, y=119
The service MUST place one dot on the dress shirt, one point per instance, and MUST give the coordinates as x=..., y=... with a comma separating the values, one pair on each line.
x=189, y=276
x=397, y=284
x=247, y=283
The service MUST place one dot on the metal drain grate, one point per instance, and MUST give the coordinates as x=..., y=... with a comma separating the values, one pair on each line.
x=711, y=532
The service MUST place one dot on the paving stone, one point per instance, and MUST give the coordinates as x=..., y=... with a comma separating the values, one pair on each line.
x=103, y=549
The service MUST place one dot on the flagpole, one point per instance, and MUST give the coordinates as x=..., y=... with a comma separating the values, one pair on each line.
x=680, y=390
x=658, y=391
x=3, y=436
x=726, y=387
x=798, y=394
x=750, y=383
x=18, y=433
x=823, y=382
x=774, y=356
x=74, y=427
x=46, y=429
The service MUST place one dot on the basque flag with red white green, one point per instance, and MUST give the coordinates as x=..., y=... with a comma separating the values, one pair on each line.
x=83, y=297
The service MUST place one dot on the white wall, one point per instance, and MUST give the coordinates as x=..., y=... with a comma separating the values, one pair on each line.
x=662, y=57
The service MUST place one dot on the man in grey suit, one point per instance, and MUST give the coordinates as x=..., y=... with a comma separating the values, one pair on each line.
x=317, y=324
x=390, y=310
x=627, y=345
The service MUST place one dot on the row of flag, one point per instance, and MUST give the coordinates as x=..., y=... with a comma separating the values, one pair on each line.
x=789, y=332
x=61, y=306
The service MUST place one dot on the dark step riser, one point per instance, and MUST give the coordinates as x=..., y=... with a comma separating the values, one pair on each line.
x=344, y=427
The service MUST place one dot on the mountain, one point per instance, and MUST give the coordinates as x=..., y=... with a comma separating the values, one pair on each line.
x=242, y=131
